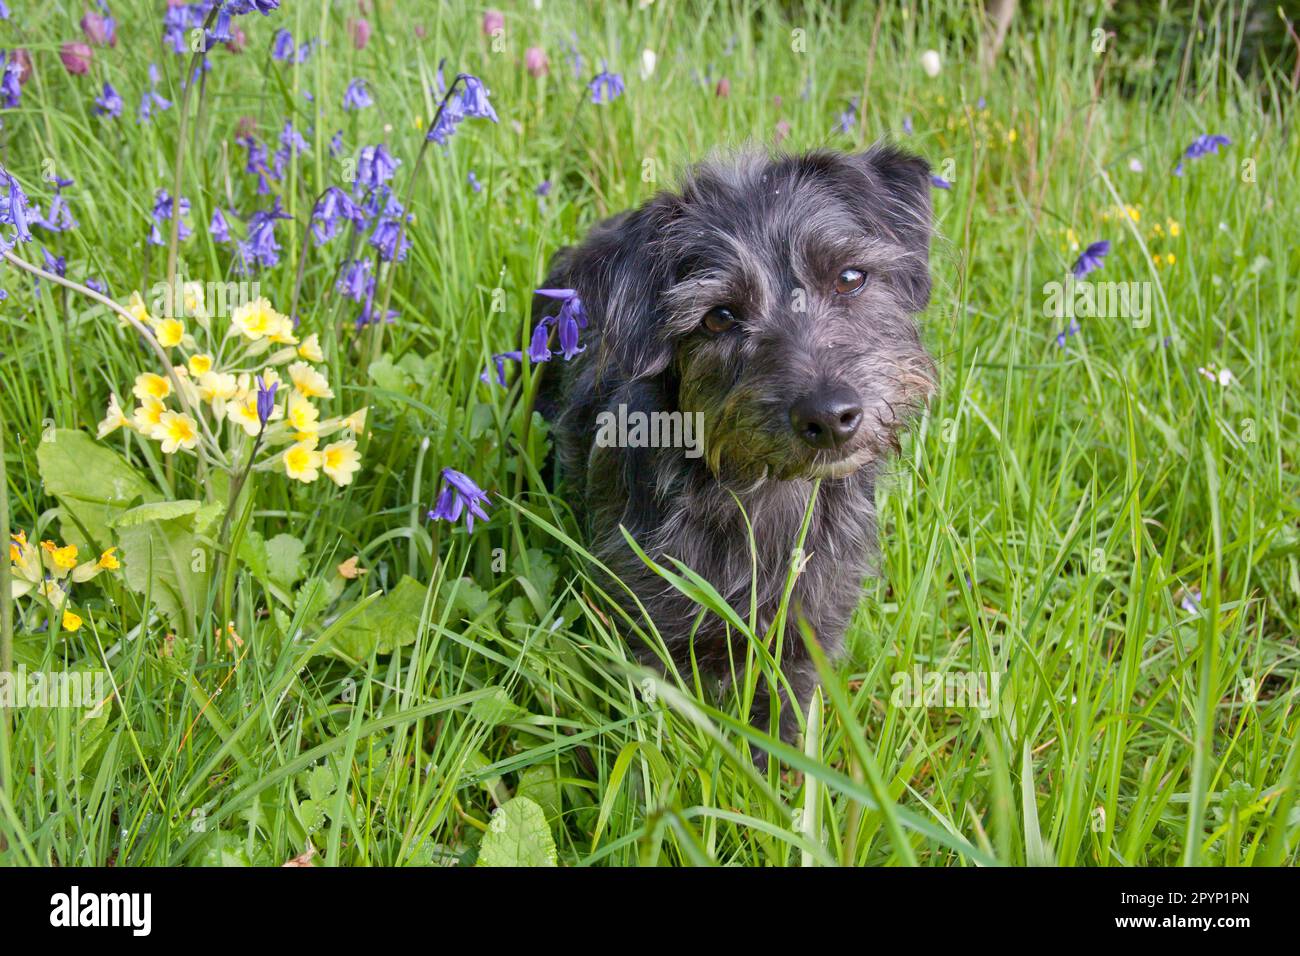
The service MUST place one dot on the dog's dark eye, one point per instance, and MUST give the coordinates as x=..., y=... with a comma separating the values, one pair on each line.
x=850, y=282
x=719, y=319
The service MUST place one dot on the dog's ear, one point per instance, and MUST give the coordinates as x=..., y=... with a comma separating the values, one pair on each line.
x=898, y=204
x=620, y=274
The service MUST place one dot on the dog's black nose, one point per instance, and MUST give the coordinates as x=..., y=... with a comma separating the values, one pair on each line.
x=827, y=419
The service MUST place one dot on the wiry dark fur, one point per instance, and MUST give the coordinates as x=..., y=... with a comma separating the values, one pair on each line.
x=747, y=234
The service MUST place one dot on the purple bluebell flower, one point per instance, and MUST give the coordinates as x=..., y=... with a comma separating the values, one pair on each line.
x=336, y=145
x=544, y=188
x=265, y=401
x=907, y=125
x=151, y=100
x=474, y=183
x=282, y=45
x=1203, y=145
x=575, y=58
x=499, y=360
x=96, y=285
x=938, y=182
x=256, y=163
x=356, y=96
x=334, y=205
x=11, y=90
x=538, y=349
x=605, y=86
x=4, y=11
x=1090, y=260
x=56, y=264
x=109, y=104
x=367, y=315
x=1067, y=333
x=459, y=494
x=219, y=227
x=13, y=212
x=375, y=166
x=59, y=218
x=389, y=239
x=291, y=143
x=261, y=247
x=571, y=317
x=355, y=281
x=474, y=99
x=849, y=118
x=164, y=207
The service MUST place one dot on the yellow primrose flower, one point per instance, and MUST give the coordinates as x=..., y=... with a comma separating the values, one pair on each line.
x=309, y=382
x=148, y=415
x=170, y=332
x=217, y=386
x=176, y=430
x=200, y=365
x=281, y=331
x=192, y=294
x=70, y=621
x=303, y=417
x=114, y=418
x=255, y=320
x=138, y=311
x=357, y=420
x=340, y=461
x=151, y=385
x=310, y=349
x=302, y=462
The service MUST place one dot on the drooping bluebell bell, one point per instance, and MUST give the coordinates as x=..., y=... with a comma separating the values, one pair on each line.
x=336, y=145
x=56, y=264
x=334, y=205
x=109, y=104
x=538, y=348
x=544, y=188
x=11, y=90
x=571, y=318
x=219, y=227
x=59, y=218
x=13, y=212
x=150, y=100
x=355, y=281
x=474, y=183
x=471, y=102
x=265, y=400
x=256, y=162
x=1203, y=145
x=283, y=49
x=907, y=125
x=499, y=360
x=97, y=285
x=291, y=143
x=1090, y=259
x=459, y=495
x=938, y=182
x=575, y=58
x=164, y=208
x=261, y=247
x=367, y=315
x=357, y=96
x=845, y=122
x=605, y=87
x=375, y=166
x=4, y=11
x=1067, y=333
x=389, y=239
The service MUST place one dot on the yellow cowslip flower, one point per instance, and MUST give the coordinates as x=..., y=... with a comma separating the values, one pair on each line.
x=302, y=462
x=340, y=461
x=60, y=559
x=176, y=430
x=170, y=332
x=70, y=621
x=303, y=417
x=108, y=560
x=105, y=562
x=114, y=417
x=217, y=386
x=151, y=385
x=136, y=308
x=1133, y=213
x=255, y=320
x=17, y=544
x=1174, y=228
x=148, y=415
x=310, y=349
x=1169, y=259
x=309, y=382
x=200, y=365
x=1011, y=135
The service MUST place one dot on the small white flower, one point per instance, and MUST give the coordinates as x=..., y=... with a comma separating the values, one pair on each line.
x=931, y=63
x=1135, y=165
x=1222, y=376
x=648, y=60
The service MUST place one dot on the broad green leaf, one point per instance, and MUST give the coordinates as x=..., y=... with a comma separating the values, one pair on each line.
x=91, y=482
x=155, y=511
x=390, y=622
x=518, y=836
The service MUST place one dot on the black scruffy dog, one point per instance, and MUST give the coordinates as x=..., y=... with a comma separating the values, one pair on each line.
x=769, y=301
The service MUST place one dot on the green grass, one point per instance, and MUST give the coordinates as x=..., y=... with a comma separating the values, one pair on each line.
x=1043, y=523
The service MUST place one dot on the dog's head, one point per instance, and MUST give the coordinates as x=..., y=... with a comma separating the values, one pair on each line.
x=775, y=297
